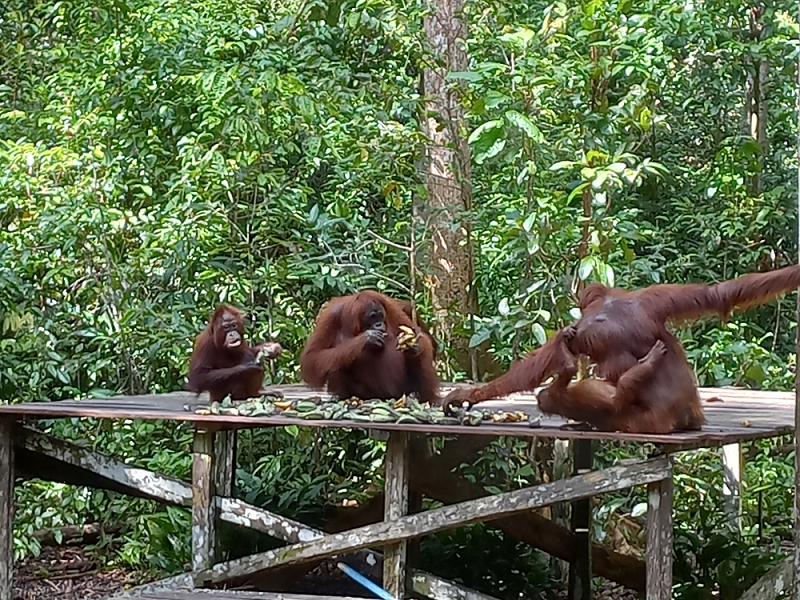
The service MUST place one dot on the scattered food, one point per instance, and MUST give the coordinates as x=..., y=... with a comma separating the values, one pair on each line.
x=406, y=409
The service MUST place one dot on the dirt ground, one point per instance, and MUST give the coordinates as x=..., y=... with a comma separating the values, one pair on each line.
x=67, y=573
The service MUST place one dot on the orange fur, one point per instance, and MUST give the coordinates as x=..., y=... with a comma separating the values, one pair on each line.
x=622, y=332
x=338, y=352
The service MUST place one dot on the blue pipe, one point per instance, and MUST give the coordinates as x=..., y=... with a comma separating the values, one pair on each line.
x=359, y=578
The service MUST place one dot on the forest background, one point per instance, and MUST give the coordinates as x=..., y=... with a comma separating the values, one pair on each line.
x=160, y=156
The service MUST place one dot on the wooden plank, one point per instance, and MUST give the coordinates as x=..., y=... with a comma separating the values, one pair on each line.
x=437, y=481
x=396, y=506
x=742, y=415
x=237, y=595
x=167, y=489
x=659, y=540
x=149, y=483
x=7, y=425
x=433, y=587
x=175, y=491
x=239, y=512
x=580, y=570
x=483, y=509
x=732, y=483
x=203, y=531
x=774, y=583
x=183, y=582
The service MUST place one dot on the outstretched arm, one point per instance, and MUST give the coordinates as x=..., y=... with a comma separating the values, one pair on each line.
x=674, y=301
x=524, y=375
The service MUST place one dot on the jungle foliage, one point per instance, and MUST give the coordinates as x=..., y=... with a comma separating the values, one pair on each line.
x=160, y=156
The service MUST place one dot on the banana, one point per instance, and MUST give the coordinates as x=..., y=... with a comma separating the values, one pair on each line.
x=381, y=418
x=407, y=419
x=407, y=338
x=313, y=414
x=305, y=406
x=360, y=418
x=283, y=405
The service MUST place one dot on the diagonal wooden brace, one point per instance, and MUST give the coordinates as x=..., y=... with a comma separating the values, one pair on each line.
x=484, y=509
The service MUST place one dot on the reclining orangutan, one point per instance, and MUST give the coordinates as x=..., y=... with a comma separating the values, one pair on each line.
x=644, y=383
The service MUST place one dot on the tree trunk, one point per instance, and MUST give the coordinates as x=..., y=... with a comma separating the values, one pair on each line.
x=756, y=100
x=447, y=165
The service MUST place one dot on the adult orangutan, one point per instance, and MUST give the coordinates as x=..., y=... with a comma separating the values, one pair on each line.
x=354, y=350
x=222, y=363
x=643, y=383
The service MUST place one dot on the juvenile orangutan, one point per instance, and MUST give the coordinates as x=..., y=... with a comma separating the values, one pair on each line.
x=222, y=363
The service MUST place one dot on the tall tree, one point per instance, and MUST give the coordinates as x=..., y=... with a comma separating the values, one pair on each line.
x=447, y=164
x=755, y=104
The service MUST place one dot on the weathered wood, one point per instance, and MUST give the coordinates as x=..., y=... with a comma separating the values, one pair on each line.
x=743, y=415
x=438, y=482
x=396, y=506
x=224, y=480
x=7, y=425
x=145, y=483
x=293, y=531
x=179, y=588
x=182, y=582
x=732, y=483
x=483, y=509
x=234, y=595
x=580, y=570
x=659, y=540
x=225, y=462
x=203, y=530
x=236, y=511
x=776, y=582
x=433, y=587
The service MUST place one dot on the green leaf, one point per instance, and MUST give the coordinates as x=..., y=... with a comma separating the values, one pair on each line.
x=586, y=267
x=539, y=334
x=527, y=126
x=479, y=337
x=503, y=307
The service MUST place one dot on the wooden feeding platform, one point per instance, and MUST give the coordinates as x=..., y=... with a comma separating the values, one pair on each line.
x=734, y=416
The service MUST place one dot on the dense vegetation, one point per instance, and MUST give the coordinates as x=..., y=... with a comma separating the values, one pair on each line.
x=160, y=156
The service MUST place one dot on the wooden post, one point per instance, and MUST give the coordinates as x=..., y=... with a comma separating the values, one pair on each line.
x=396, y=506
x=225, y=462
x=224, y=485
x=659, y=540
x=6, y=507
x=580, y=571
x=732, y=483
x=203, y=511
